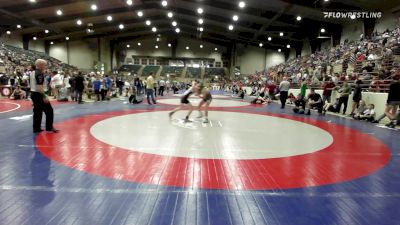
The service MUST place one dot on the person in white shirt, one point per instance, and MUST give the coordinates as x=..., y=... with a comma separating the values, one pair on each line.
x=368, y=114
x=284, y=87
x=161, y=88
x=56, y=83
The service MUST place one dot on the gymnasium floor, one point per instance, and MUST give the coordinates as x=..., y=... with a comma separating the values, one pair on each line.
x=117, y=163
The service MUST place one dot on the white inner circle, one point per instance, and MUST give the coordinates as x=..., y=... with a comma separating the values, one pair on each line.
x=229, y=135
x=17, y=106
x=214, y=102
x=214, y=96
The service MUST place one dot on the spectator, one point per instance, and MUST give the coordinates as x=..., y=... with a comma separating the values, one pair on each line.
x=367, y=114
x=393, y=103
x=357, y=96
x=314, y=101
x=327, y=91
x=345, y=91
x=79, y=86
x=150, y=89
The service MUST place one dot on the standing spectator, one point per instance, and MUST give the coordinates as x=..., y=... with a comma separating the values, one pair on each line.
x=150, y=89
x=72, y=88
x=284, y=87
x=108, y=87
x=345, y=91
x=120, y=84
x=67, y=85
x=40, y=101
x=97, y=88
x=79, y=86
x=303, y=88
x=271, y=90
x=161, y=87
x=393, y=103
x=357, y=96
x=327, y=91
x=155, y=88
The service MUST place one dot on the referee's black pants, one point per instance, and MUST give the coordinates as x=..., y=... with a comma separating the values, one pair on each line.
x=39, y=106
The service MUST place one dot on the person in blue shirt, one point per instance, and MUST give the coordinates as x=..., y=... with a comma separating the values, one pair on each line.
x=97, y=88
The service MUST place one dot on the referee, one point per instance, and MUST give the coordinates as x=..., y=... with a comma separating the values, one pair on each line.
x=40, y=100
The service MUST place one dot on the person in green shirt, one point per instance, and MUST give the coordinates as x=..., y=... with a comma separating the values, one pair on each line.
x=303, y=88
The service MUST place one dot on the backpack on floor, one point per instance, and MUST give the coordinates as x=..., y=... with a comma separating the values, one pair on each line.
x=62, y=95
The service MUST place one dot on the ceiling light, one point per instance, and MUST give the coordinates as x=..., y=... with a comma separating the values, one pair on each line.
x=139, y=44
x=109, y=18
x=242, y=4
x=322, y=30
x=8, y=32
x=154, y=29
x=32, y=1
x=216, y=49
x=287, y=46
x=19, y=26
x=201, y=21
x=128, y=46
x=187, y=48
x=140, y=14
x=201, y=46
x=281, y=34
x=230, y=27
x=34, y=38
x=121, y=26
x=164, y=3
x=235, y=18
x=298, y=18
x=174, y=23
x=353, y=17
x=269, y=38
x=148, y=22
x=201, y=29
x=156, y=46
x=79, y=22
x=261, y=44
x=129, y=2
x=169, y=45
x=46, y=31
x=158, y=39
x=93, y=7
x=177, y=30
x=326, y=0
x=170, y=14
x=67, y=38
x=59, y=12
x=52, y=43
x=279, y=50
x=200, y=11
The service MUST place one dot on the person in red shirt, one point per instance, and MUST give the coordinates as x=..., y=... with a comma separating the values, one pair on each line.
x=326, y=94
x=271, y=90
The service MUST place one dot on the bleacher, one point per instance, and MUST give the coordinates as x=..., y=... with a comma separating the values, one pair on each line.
x=150, y=69
x=13, y=57
x=214, y=71
x=172, y=70
x=132, y=69
x=193, y=72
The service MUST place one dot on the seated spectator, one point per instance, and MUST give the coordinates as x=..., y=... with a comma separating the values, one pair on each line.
x=18, y=94
x=368, y=114
x=133, y=98
x=291, y=98
x=331, y=107
x=300, y=104
x=361, y=108
x=314, y=100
